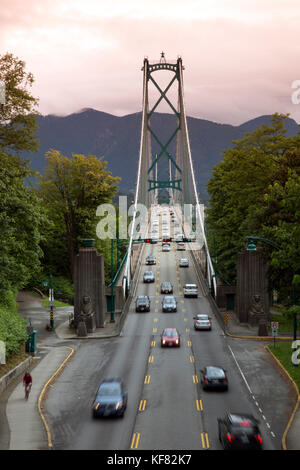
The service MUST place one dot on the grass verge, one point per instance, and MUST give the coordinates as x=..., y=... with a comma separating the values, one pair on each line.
x=283, y=352
x=57, y=303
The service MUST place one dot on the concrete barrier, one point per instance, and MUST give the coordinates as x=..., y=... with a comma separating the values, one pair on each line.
x=14, y=373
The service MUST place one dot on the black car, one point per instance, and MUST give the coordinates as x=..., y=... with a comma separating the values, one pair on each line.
x=110, y=399
x=239, y=431
x=142, y=303
x=169, y=304
x=151, y=259
x=166, y=288
x=213, y=377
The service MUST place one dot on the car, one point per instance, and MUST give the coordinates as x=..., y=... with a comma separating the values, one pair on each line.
x=154, y=239
x=148, y=276
x=151, y=259
x=110, y=399
x=169, y=304
x=180, y=246
x=165, y=247
x=166, y=288
x=183, y=263
x=190, y=290
x=170, y=337
x=239, y=431
x=142, y=303
x=213, y=377
x=202, y=322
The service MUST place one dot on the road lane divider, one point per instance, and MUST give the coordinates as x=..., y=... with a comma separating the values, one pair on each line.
x=199, y=405
x=195, y=380
x=189, y=343
x=147, y=380
x=135, y=440
x=153, y=343
x=151, y=359
x=142, y=406
x=154, y=330
x=192, y=359
x=204, y=440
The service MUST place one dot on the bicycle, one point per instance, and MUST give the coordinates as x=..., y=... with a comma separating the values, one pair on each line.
x=27, y=390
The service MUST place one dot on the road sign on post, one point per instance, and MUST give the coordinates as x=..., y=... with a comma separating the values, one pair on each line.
x=274, y=326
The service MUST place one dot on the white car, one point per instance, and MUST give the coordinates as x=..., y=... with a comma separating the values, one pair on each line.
x=202, y=322
x=190, y=290
x=183, y=263
x=181, y=246
x=165, y=248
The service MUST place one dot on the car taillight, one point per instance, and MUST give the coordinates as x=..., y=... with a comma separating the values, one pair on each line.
x=230, y=437
x=205, y=380
x=258, y=438
x=226, y=380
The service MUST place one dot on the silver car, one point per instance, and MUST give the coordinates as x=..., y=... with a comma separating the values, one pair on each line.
x=149, y=276
x=183, y=263
x=202, y=322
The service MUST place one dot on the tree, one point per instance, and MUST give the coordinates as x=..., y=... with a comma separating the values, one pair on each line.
x=71, y=189
x=253, y=192
x=18, y=113
x=20, y=221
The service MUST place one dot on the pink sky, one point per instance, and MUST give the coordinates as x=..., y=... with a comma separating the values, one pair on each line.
x=241, y=57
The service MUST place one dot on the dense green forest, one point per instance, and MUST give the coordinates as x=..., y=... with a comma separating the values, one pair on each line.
x=255, y=191
x=42, y=224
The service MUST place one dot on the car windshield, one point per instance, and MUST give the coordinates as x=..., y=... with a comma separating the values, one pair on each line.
x=215, y=372
x=166, y=285
x=148, y=273
x=169, y=300
x=109, y=390
x=190, y=286
x=141, y=300
x=170, y=333
x=202, y=317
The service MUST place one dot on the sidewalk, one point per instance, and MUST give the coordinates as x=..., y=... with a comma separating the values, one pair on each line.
x=27, y=431
x=234, y=328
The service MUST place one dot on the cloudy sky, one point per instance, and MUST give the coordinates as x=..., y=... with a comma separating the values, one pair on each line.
x=241, y=57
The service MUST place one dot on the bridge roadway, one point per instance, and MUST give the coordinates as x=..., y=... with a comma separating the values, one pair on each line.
x=175, y=412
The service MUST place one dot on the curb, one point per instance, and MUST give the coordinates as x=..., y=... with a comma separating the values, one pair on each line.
x=283, y=440
x=43, y=392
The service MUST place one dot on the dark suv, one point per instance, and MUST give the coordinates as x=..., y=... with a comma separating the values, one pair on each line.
x=110, y=399
x=239, y=431
x=142, y=303
x=166, y=288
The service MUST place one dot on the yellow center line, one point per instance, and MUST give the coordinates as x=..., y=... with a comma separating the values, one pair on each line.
x=151, y=359
x=204, y=440
x=187, y=330
x=189, y=343
x=199, y=405
x=142, y=405
x=154, y=330
x=153, y=343
x=135, y=440
x=192, y=359
x=195, y=380
x=147, y=379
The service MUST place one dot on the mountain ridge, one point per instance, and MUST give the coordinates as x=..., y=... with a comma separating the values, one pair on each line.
x=117, y=140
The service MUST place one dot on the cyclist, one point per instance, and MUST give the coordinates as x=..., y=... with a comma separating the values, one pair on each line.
x=27, y=382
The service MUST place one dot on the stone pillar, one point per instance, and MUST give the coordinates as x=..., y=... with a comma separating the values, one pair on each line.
x=89, y=282
x=251, y=280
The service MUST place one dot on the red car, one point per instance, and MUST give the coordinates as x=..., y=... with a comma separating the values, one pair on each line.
x=170, y=337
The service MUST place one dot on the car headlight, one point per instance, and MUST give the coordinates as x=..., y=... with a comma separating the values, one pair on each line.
x=176, y=341
x=164, y=342
x=118, y=405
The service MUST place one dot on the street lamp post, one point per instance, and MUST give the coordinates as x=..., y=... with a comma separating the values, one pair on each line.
x=252, y=241
x=51, y=302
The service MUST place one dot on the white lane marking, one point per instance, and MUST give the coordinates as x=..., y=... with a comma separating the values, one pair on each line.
x=241, y=372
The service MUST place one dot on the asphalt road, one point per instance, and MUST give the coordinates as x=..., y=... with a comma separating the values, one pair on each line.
x=167, y=408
